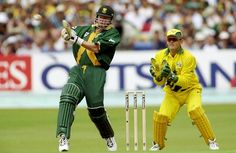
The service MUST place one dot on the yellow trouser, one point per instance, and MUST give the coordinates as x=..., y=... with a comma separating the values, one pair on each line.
x=169, y=108
x=172, y=102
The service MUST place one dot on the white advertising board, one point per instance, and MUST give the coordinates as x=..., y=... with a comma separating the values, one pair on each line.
x=36, y=81
x=129, y=71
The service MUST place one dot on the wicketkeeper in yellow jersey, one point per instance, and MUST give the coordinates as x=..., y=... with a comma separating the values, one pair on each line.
x=174, y=68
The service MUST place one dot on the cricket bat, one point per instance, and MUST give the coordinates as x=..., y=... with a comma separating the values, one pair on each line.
x=66, y=25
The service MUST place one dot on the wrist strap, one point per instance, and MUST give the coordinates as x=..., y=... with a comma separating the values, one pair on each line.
x=79, y=41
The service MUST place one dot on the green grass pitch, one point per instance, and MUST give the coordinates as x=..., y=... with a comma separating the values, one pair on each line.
x=33, y=131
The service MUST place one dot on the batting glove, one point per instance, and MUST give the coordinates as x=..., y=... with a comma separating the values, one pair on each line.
x=65, y=35
x=72, y=37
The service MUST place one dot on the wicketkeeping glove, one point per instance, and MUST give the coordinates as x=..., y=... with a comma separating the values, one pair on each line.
x=153, y=68
x=165, y=71
x=152, y=71
x=173, y=77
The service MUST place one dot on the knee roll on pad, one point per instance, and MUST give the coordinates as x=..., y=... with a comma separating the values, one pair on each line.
x=99, y=118
x=200, y=119
x=70, y=93
x=160, y=123
x=196, y=113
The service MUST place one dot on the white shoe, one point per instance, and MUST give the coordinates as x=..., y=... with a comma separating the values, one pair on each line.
x=213, y=145
x=155, y=147
x=111, y=144
x=63, y=143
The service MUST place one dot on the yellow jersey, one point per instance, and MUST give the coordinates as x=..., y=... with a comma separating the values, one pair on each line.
x=183, y=64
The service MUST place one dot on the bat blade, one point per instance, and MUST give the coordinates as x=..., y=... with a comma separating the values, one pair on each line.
x=66, y=25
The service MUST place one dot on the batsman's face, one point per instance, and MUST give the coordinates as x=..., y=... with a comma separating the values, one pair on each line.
x=102, y=21
x=173, y=43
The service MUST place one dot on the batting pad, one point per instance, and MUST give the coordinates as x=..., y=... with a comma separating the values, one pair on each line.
x=69, y=96
x=159, y=130
x=200, y=119
x=70, y=93
x=65, y=118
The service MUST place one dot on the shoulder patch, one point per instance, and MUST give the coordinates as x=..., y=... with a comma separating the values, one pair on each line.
x=111, y=40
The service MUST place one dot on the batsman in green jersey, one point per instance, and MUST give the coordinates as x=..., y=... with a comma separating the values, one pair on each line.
x=93, y=49
x=174, y=68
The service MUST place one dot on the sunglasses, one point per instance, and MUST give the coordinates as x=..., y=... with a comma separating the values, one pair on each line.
x=172, y=39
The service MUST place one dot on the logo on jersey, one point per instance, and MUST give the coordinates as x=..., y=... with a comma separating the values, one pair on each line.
x=178, y=64
x=86, y=34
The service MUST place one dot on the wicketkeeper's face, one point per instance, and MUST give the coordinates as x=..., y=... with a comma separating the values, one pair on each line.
x=102, y=21
x=174, y=43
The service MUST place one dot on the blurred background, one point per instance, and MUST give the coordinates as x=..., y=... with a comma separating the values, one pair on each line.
x=30, y=26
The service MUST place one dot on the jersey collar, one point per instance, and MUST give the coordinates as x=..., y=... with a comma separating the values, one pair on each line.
x=180, y=51
x=107, y=28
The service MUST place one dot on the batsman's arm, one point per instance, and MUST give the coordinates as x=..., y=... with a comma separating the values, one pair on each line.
x=91, y=46
x=70, y=35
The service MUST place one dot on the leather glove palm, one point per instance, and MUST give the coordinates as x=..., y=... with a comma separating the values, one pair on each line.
x=165, y=71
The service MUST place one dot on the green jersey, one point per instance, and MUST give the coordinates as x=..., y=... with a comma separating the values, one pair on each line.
x=108, y=40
